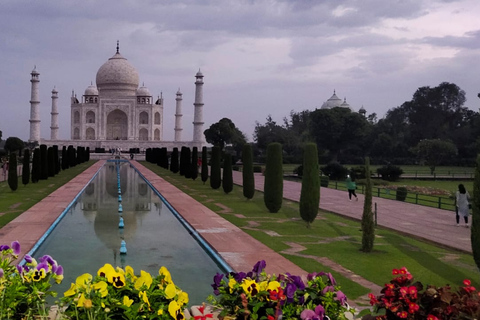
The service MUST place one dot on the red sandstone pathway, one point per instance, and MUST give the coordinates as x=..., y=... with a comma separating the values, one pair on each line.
x=435, y=225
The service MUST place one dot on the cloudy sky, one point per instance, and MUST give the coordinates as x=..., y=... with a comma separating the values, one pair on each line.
x=259, y=58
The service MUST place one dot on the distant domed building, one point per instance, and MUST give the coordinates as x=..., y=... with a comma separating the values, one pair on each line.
x=335, y=101
x=118, y=113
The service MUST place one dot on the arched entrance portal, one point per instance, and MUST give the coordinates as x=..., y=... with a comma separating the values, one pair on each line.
x=117, y=125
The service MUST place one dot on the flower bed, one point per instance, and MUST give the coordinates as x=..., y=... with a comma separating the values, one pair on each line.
x=116, y=293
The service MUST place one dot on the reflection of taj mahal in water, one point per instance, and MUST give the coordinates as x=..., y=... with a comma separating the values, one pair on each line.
x=101, y=195
x=117, y=112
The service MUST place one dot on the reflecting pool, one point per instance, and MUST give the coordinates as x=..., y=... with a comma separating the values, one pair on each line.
x=88, y=235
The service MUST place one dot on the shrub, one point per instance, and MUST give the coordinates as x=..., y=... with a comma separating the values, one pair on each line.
x=401, y=193
x=298, y=171
x=174, y=161
x=247, y=173
x=334, y=171
x=324, y=181
x=368, y=227
x=390, y=172
x=43, y=162
x=215, y=174
x=358, y=172
x=310, y=193
x=236, y=167
x=227, y=181
x=257, y=169
x=194, y=163
x=273, y=189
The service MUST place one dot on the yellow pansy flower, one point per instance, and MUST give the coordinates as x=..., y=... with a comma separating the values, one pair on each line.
x=102, y=287
x=160, y=312
x=105, y=270
x=231, y=284
x=71, y=291
x=170, y=291
x=175, y=311
x=38, y=275
x=144, y=297
x=273, y=285
x=144, y=279
x=166, y=274
x=130, y=273
x=182, y=298
x=81, y=300
x=83, y=280
x=127, y=301
x=250, y=287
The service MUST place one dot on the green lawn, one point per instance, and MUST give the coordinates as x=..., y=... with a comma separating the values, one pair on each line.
x=13, y=203
x=332, y=237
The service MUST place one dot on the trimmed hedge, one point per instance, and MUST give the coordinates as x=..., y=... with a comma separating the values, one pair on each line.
x=310, y=193
x=273, y=189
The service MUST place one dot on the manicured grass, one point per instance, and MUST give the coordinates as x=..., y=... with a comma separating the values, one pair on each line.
x=332, y=237
x=13, y=203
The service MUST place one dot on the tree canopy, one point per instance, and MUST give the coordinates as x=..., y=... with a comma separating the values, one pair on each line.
x=225, y=133
x=14, y=144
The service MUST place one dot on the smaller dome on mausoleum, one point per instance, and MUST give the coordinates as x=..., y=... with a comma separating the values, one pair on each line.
x=91, y=90
x=143, y=91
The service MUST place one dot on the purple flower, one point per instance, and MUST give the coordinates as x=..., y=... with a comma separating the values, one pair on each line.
x=42, y=265
x=216, y=283
x=290, y=291
x=19, y=269
x=259, y=266
x=320, y=311
x=331, y=278
x=240, y=276
x=298, y=282
x=28, y=258
x=301, y=300
x=48, y=259
x=4, y=247
x=341, y=297
x=328, y=289
x=16, y=247
x=318, y=314
x=59, y=270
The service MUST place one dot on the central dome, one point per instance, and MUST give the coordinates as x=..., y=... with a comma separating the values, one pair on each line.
x=117, y=77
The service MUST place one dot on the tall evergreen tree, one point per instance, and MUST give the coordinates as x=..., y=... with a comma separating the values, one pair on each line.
x=310, y=194
x=51, y=162
x=182, y=161
x=57, y=159
x=247, y=173
x=204, y=165
x=36, y=165
x=188, y=163
x=26, y=167
x=368, y=227
x=227, y=181
x=43, y=162
x=87, y=153
x=174, y=161
x=475, y=232
x=194, y=164
x=64, y=158
x=12, y=171
x=215, y=169
x=273, y=188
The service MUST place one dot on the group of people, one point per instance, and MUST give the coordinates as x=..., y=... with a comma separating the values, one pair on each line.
x=462, y=199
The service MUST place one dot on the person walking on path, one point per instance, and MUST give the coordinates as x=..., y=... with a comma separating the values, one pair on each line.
x=462, y=198
x=351, y=186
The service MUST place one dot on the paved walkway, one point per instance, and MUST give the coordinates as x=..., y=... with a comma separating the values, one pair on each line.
x=435, y=225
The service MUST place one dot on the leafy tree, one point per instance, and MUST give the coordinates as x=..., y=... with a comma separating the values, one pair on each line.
x=475, y=233
x=310, y=193
x=368, y=227
x=247, y=172
x=433, y=152
x=174, y=161
x=215, y=170
x=204, y=165
x=26, y=167
x=12, y=171
x=224, y=133
x=227, y=181
x=338, y=129
x=14, y=144
x=194, y=164
x=268, y=133
x=273, y=188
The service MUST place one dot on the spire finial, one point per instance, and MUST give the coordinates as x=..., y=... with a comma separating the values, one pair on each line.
x=118, y=46
x=161, y=94
x=333, y=91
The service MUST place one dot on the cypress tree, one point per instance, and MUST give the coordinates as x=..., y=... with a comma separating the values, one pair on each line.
x=187, y=163
x=165, y=158
x=247, y=173
x=475, y=232
x=204, y=165
x=71, y=157
x=87, y=154
x=194, y=164
x=64, y=158
x=26, y=167
x=182, y=161
x=273, y=189
x=227, y=181
x=368, y=227
x=36, y=165
x=174, y=161
x=215, y=174
x=12, y=171
x=310, y=194
x=57, y=159
x=51, y=162
x=43, y=162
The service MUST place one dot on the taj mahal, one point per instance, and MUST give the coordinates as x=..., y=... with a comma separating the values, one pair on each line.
x=117, y=112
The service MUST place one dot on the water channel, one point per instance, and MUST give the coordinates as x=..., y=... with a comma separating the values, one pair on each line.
x=88, y=235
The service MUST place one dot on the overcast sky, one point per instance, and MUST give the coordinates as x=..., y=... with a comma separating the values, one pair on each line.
x=259, y=58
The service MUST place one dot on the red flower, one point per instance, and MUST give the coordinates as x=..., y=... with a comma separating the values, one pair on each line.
x=431, y=317
x=412, y=291
x=269, y=317
x=402, y=314
x=413, y=307
x=395, y=272
x=470, y=289
x=467, y=282
x=276, y=295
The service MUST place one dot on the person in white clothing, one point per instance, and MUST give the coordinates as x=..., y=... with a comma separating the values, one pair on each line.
x=462, y=204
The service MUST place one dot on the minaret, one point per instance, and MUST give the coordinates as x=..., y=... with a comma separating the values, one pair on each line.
x=198, y=113
x=34, y=108
x=54, y=113
x=178, y=117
